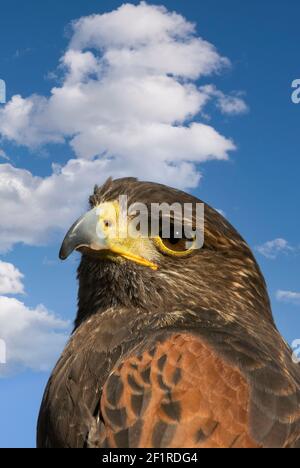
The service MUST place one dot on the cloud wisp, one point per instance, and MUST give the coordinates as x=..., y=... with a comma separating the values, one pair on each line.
x=288, y=296
x=272, y=249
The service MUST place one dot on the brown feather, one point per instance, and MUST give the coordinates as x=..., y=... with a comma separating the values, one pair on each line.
x=192, y=399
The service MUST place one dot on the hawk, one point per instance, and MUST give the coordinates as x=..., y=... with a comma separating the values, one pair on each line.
x=173, y=346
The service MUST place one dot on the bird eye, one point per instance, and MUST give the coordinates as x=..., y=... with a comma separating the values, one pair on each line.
x=176, y=243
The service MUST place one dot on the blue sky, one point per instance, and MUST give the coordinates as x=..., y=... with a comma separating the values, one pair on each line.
x=258, y=187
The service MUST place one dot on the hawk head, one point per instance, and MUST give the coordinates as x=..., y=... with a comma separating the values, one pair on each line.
x=167, y=272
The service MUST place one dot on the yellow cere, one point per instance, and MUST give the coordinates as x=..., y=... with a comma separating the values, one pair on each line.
x=115, y=229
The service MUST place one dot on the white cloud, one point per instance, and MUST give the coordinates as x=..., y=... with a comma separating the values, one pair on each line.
x=233, y=105
x=228, y=104
x=288, y=296
x=34, y=207
x=128, y=104
x=272, y=249
x=130, y=97
x=33, y=337
x=11, y=279
x=148, y=37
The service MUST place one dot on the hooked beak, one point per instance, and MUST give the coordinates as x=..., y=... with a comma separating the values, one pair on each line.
x=85, y=232
x=88, y=234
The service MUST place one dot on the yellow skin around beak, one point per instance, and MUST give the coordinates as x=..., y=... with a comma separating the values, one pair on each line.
x=105, y=230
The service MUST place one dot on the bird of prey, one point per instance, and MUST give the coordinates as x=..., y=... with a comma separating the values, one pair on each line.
x=172, y=347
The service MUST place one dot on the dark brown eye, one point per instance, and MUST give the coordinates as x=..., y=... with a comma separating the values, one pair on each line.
x=176, y=245
x=176, y=242
x=107, y=223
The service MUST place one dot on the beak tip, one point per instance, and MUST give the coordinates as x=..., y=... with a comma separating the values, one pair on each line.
x=63, y=254
x=61, y=257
